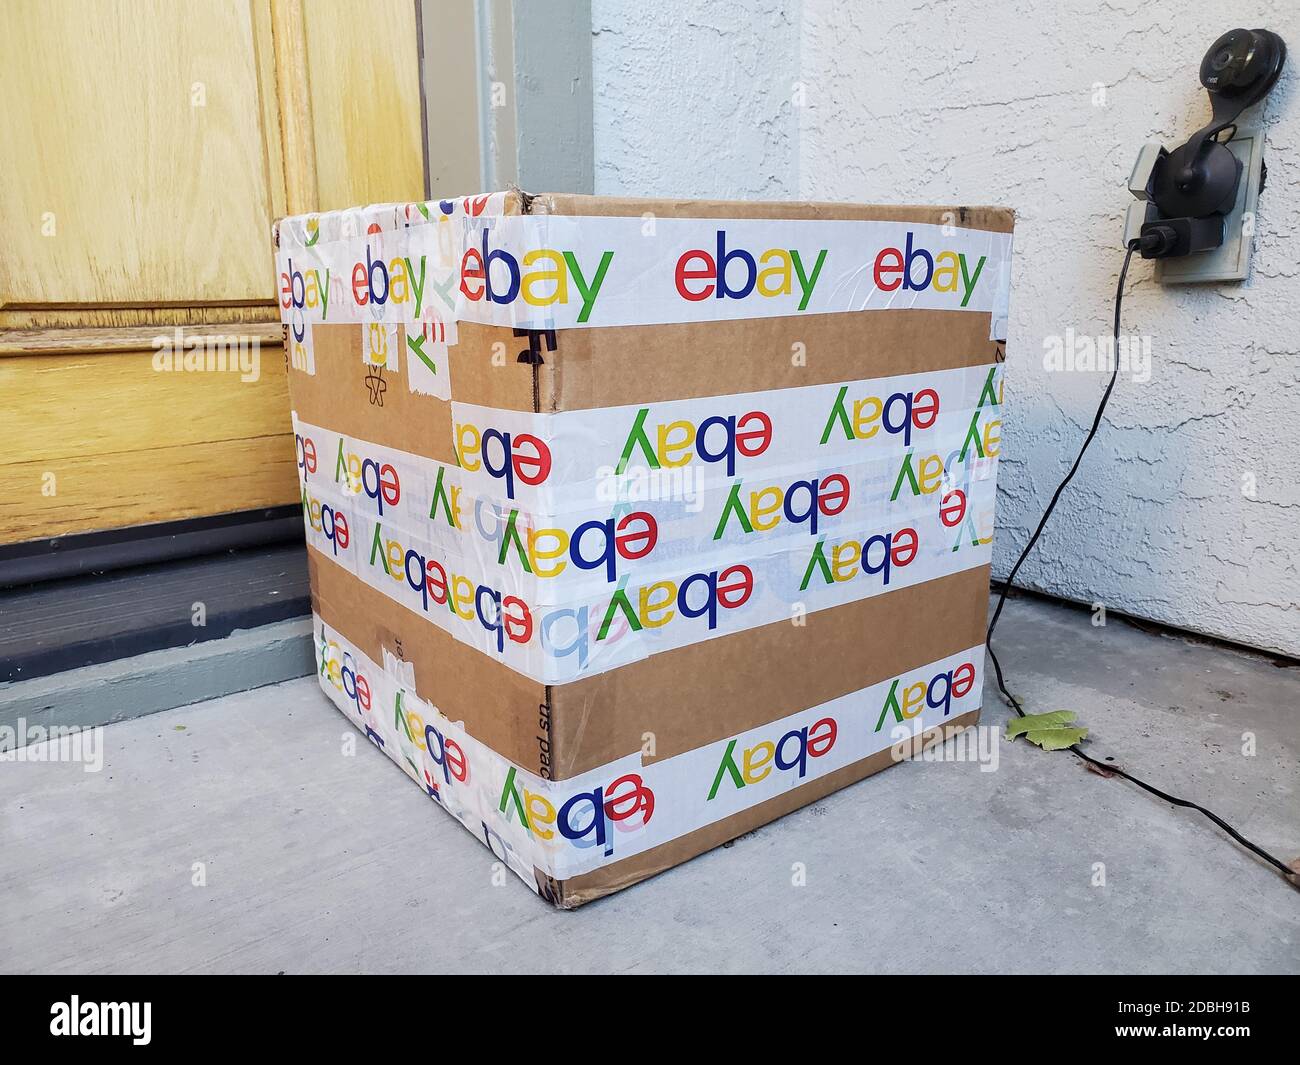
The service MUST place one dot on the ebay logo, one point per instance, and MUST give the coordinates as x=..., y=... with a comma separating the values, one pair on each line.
x=550, y=551
x=324, y=519
x=660, y=602
x=935, y=692
x=734, y=273
x=379, y=481
x=506, y=617
x=447, y=755
x=820, y=495
x=900, y=413
x=305, y=452
x=874, y=556
x=376, y=281
x=791, y=751
x=523, y=457
x=584, y=819
x=303, y=289
x=653, y=606
x=715, y=439
x=541, y=278
x=338, y=667
x=945, y=271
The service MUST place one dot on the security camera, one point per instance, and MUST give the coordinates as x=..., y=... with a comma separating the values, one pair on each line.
x=1195, y=186
x=1243, y=65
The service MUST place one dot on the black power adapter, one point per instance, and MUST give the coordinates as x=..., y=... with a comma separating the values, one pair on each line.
x=1195, y=186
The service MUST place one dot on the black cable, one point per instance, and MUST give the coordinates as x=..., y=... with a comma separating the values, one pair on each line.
x=1002, y=598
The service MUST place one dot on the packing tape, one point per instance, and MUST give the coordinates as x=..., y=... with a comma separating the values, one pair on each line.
x=549, y=557
x=422, y=344
x=311, y=248
x=811, y=498
x=447, y=261
x=566, y=828
x=558, y=464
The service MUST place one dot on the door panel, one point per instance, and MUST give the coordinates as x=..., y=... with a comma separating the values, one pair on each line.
x=141, y=170
x=366, y=114
x=148, y=146
x=141, y=487
x=109, y=404
x=103, y=441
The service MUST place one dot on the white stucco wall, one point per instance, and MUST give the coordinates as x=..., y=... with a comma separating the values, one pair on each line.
x=992, y=101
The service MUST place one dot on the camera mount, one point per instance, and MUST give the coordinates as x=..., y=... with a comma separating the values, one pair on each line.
x=1190, y=191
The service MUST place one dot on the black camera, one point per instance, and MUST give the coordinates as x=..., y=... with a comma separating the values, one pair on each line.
x=1195, y=186
x=1243, y=63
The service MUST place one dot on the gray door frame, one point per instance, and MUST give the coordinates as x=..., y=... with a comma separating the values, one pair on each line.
x=507, y=95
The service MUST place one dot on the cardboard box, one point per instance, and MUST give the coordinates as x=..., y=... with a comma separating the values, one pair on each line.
x=636, y=524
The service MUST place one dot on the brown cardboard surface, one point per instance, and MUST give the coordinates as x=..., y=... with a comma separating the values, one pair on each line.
x=498, y=706
x=687, y=697
x=704, y=692
x=648, y=364
x=343, y=394
x=701, y=693
x=579, y=890
x=995, y=219
x=635, y=364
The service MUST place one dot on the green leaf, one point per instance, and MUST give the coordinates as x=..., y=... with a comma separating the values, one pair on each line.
x=1018, y=726
x=1051, y=731
x=1056, y=739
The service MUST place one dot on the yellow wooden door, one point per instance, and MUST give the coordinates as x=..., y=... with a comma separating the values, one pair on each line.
x=148, y=146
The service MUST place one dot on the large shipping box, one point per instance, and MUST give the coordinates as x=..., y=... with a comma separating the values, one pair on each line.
x=636, y=524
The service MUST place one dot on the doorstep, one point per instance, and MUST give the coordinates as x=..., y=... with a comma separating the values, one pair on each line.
x=101, y=648
x=159, y=680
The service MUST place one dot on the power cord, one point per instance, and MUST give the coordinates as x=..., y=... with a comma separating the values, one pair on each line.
x=1006, y=587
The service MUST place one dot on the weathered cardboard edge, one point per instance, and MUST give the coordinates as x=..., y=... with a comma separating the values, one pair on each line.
x=580, y=890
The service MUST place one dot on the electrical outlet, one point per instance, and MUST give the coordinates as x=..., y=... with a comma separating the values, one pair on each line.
x=1231, y=260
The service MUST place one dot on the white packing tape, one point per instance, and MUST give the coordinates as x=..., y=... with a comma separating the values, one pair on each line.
x=565, y=828
x=417, y=263
x=805, y=499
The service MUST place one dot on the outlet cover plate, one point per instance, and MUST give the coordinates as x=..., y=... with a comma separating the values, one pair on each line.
x=1231, y=260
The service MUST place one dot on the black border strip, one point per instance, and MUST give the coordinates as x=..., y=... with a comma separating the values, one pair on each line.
x=59, y=557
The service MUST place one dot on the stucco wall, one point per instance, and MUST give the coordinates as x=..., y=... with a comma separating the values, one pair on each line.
x=693, y=99
x=1187, y=510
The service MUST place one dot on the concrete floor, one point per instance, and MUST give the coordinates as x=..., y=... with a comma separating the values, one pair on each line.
x=316, y=862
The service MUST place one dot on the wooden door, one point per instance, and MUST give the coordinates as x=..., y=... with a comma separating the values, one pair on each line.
x=147, y=147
